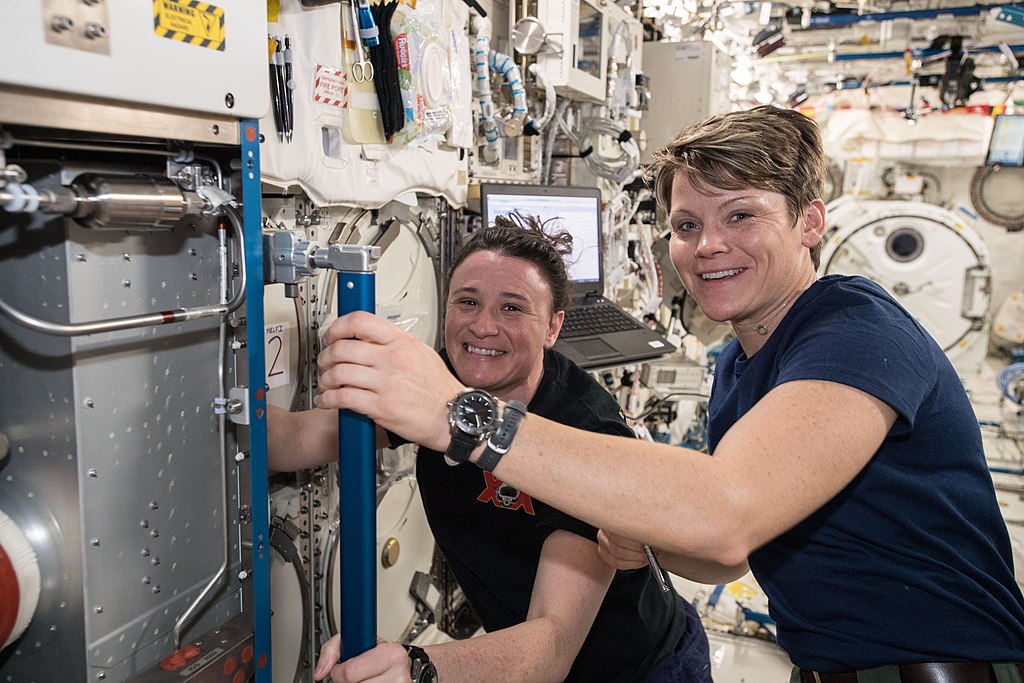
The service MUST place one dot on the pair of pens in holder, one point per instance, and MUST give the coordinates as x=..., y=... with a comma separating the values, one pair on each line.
x=281, y=86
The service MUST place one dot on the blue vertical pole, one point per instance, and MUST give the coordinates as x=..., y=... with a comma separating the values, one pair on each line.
x=357, y=481
x=251, y=214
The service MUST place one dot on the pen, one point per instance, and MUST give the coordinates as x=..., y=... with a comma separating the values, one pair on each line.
x=279, y=72
x=275, y=93
x=289, y=85
x=656, y=568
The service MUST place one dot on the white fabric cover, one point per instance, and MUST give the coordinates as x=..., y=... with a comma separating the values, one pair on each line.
x=322, y=158
x=850, y=133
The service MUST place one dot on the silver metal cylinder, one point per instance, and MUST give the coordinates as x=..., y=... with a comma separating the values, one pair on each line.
x=118, y=202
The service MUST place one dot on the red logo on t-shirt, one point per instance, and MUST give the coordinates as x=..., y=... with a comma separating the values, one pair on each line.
x=504, y=495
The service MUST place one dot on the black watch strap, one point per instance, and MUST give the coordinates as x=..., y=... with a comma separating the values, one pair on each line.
x=421, y=670
x=501, y=441
x=461, y=447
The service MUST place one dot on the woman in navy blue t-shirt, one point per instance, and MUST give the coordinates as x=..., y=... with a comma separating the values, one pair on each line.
x=847, y=463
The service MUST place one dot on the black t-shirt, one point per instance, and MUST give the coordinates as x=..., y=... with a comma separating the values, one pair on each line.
x=492, y=536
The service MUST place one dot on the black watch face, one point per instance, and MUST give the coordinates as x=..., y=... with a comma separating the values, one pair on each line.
x=475, y=413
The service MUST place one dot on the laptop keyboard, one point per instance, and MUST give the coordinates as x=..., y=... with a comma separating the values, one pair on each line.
x=582, y=321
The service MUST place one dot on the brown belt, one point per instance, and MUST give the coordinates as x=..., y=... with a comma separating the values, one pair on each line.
x=939, y=672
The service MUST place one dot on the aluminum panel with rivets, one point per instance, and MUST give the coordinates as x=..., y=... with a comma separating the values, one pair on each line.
x=114, y=469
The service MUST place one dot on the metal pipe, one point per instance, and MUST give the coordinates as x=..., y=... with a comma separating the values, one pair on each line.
x=821, y=21
x=145, y=319
x=132, y=202
x=855, y=84
x=357, y=508
x=925, y=54
x=29, y=142
x=207, y=592
x=613, y=67
x=103, y=201
x=204, y=596
x=857, y=56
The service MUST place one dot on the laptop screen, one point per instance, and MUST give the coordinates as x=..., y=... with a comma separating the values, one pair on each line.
x=1006, y=147
x=576, y=210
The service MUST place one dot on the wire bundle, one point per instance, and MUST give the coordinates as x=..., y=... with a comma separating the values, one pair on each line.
x=1011, y=382
x=620, y=166
x=385, y=71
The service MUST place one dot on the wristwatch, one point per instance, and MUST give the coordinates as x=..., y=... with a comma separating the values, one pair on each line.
x=501, y=441
x=420, y=668
x=473, y=417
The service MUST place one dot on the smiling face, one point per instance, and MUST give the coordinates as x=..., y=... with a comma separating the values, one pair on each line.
x=498, y=322
x=740, y=253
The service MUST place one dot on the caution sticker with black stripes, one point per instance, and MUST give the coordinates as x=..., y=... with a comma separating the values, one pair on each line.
x=190, y=21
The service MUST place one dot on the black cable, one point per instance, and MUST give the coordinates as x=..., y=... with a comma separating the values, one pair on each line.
x=473, y=4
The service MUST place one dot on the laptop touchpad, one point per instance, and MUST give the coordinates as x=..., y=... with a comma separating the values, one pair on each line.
x=595, y=348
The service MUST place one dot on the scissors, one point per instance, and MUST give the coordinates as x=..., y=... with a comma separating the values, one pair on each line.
x=362, y=69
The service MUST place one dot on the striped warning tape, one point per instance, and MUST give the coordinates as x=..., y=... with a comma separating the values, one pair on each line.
x=190, y=21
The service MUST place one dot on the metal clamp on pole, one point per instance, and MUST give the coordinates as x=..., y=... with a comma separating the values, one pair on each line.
x=357, y=471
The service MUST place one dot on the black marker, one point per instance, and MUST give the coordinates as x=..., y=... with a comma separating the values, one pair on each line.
x=275, y=95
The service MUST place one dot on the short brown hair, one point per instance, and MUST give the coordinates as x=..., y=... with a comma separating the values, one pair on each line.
x=764, y=148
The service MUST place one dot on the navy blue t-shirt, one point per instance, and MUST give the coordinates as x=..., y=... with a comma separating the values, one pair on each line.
x=911, y=562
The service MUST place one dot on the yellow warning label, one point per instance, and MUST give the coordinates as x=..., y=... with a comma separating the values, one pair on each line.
x=189, y=21
x=740, y=590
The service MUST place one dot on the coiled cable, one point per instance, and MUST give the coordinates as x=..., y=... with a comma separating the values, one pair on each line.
x=619, y=167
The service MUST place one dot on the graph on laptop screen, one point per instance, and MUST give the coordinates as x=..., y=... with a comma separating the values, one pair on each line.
x=574, y=209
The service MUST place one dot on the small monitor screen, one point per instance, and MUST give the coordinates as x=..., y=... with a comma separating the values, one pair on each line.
x=576, y=210
x=1006, y=147
x=588, y=55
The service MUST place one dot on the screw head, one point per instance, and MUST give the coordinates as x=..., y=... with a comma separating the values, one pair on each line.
x=61, y=24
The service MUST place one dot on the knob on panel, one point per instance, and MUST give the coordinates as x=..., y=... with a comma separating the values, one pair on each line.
x=19, y=581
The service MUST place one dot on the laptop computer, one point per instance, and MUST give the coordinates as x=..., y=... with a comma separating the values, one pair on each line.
x=597, y=333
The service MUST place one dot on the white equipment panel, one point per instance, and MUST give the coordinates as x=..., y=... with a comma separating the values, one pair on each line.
x=690, y=81
x=181, y=54
x=579, y=38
